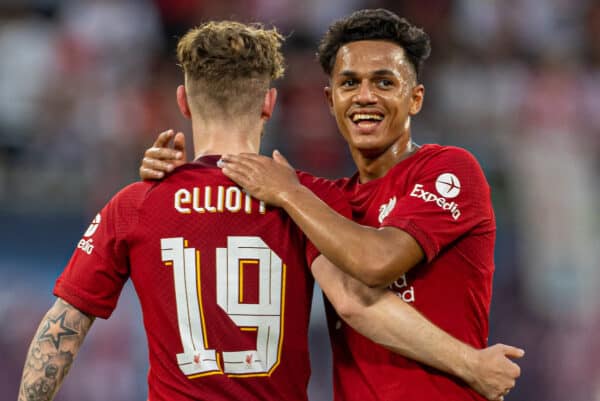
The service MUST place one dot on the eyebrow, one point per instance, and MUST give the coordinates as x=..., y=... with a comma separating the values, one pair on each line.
x=384, y=72
x=349, y=73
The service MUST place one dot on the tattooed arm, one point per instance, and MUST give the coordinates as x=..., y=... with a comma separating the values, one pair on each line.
x=52, y=351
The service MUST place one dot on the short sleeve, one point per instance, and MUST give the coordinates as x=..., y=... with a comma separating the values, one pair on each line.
x=446, y=197
x=333, y=196
x=94, y=276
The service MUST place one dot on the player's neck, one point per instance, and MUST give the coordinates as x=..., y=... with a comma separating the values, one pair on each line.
x=372, y=166
x=217, y=139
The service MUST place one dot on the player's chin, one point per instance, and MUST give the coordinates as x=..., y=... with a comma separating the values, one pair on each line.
x=369, y=147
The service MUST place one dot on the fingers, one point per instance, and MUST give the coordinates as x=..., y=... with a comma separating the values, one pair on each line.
x=504, y=394
x=500, y=397
x=279, y=158
x=163, y=154
x=244, y=157
x=513, y=352
x=160, y=148
x=240, y=168
x=244, y=162
x=158, y=165
x=179, y=142
x=236, y=170
x=236, y=175
x=149, y=174
x=163, y=139
x=516, y=370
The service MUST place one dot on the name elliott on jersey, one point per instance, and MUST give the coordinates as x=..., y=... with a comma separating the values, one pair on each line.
x=209, y=199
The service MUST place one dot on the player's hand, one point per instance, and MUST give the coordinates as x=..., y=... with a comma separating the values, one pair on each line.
x=163, y=157
x=493, y=374
x=264, y=178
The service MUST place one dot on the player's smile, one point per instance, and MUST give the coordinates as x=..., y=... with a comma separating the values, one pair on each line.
x=366, y=120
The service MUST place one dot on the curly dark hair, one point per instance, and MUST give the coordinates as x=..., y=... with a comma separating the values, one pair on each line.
x=374, y=24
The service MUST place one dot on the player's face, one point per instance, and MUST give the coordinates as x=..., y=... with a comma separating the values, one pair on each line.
x=372, y=95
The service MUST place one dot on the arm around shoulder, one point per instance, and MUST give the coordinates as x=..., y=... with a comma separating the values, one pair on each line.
x=381, y=316
x=374, y=256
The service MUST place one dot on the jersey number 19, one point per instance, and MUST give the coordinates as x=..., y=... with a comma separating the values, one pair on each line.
x=264, y=317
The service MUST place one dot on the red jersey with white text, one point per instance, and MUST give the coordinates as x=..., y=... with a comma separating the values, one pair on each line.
x=439, y=196
x=223, y=283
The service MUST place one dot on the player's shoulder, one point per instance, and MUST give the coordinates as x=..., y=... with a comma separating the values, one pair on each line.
x=138, y=188
x=447, y=152
x=134, y=193
x=446, y=156
x=314, y=182
x=324, y=188
x=123, y=208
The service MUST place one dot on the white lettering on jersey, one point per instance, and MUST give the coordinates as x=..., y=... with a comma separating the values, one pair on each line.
x=427, y=197
x=214, y=200
x=87, y=245
x=386, y=208
x=93, y=226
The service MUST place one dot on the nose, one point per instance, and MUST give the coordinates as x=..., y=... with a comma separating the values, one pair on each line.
x=364, y=95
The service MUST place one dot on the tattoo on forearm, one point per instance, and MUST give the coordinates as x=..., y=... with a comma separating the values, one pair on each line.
x=52, y=351
x=55, y=329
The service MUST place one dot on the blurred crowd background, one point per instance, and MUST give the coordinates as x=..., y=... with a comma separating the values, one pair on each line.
x=86, y=85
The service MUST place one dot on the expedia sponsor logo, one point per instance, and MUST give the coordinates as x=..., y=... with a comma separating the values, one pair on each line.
x=440, y=201
x=447, y=185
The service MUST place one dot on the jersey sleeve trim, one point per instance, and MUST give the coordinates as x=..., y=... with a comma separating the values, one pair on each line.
x=417, y=233
x=80, y=300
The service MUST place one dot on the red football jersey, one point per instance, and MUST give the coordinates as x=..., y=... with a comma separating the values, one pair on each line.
x=439, y=196
x=223, y=283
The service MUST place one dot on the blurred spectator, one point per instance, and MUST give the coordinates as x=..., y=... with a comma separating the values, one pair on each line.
x=28, y=43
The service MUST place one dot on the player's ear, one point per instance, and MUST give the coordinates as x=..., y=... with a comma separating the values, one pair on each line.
x=269, y=104
x=328, y=96
x=182, y=102
x=416, y=102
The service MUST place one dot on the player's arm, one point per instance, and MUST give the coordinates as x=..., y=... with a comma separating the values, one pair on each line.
x=375, y=256
x=349, y=245
x=384, y=318
x=52, y=351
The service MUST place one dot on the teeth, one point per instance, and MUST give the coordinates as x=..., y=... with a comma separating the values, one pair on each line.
x=357, y=117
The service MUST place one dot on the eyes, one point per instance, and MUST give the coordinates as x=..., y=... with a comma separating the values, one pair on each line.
x=384, y=83
x=381, y=83
x=349, y=83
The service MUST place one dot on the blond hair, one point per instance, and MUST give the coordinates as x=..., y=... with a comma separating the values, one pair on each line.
x=229, y=65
